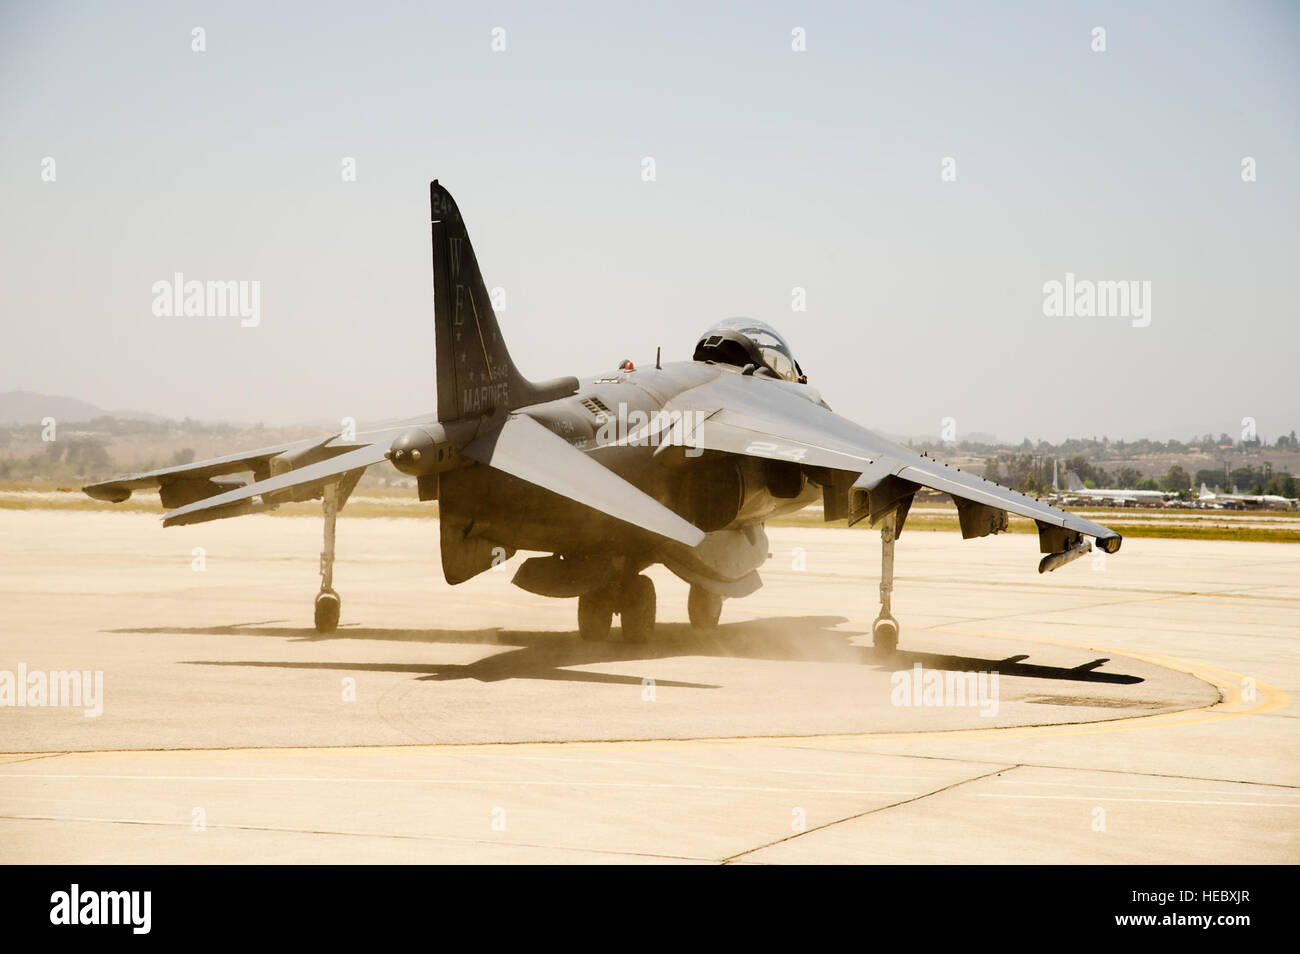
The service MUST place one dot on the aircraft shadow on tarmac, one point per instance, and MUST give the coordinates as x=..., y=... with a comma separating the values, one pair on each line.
x=548, y=655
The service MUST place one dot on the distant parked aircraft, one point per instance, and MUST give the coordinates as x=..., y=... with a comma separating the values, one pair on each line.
x=1076, y=492
x=1252, y=501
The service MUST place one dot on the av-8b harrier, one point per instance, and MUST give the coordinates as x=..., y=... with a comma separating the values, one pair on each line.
x=678, y=464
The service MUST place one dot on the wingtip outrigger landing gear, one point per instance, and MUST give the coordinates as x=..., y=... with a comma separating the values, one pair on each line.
x=884, y=631
x=328, y=603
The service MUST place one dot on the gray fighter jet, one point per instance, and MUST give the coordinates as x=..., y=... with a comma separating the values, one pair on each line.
x=679, y=464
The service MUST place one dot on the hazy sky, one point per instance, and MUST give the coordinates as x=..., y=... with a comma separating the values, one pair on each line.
x=819, y=169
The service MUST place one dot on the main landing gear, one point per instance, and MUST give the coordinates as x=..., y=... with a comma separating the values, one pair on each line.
x=884, y=631
x=633, y=600
x=328, y=603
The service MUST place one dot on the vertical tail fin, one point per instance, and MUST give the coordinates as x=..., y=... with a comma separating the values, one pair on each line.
x=1072, y=480
x=475, y=373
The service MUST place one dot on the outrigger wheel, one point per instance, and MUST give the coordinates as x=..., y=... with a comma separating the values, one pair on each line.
x=884, y=635
x=884, y=631
x=328, y=605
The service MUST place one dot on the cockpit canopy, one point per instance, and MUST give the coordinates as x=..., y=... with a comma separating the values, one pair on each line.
x=745, y=341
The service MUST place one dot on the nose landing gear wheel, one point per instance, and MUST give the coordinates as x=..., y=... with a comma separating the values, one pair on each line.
x=595, y=615
x=704, y=608
x=638, y=610
x=328, y=605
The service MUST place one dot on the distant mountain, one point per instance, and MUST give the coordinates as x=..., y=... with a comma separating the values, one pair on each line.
x=27, y=407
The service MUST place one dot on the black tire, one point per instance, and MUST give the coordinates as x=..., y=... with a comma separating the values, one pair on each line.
x=595, y=615
x=638, y=610
x=704, y=608
x=884, y=636
x=328, y=606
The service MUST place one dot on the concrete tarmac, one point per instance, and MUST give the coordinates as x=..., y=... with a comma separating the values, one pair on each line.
x=1132, y=708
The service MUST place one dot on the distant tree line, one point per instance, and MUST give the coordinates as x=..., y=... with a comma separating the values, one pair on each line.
x=1032, y=474
x=1250, y=480
x=1102, y=448
x=116, y=427
x=77, y=457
